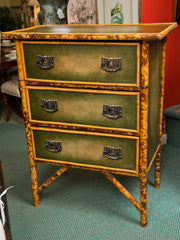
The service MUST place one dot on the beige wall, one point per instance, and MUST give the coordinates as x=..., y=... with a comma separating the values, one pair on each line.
x=15, y=3
x=5, y=3
x=10, y=3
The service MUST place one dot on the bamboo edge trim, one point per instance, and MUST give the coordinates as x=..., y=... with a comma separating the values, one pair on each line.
x=113, y=37
x=50, y=162
x=82, y=43
x=102, y=36
x=144, y=131
x=23, y=60
x=48, y=123
x=84, y=90
x=126, y=85
x=168, y=30
x=84, y=132
x=88, y=166
x=59, y=84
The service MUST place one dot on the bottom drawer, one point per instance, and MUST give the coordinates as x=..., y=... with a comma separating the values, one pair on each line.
x=104, y=151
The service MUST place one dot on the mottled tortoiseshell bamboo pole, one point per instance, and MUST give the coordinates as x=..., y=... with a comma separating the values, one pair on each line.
x=27, y=125
x=144, y=131
x=158, y=157
x=52, y=179
x=123, y=190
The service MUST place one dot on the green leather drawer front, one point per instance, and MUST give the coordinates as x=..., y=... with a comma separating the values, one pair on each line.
x=86, y=107
x=86, y=148
x=81, y=62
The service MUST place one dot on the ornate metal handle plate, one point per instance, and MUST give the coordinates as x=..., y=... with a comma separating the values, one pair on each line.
x=45, y=62
x=112, y=153
x=112, y=111
x=111, y=64
x=53, y=146
x=49, y=106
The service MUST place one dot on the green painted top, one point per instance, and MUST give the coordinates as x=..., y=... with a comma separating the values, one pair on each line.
x=155, y=31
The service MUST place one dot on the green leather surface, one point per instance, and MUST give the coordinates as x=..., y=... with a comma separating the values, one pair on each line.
x=77, y=62
x=154, y=97
x=84, y=108
x=99, y=29
x=86, y=149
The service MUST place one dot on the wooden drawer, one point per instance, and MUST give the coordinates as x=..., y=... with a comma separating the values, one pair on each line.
x=105, y=109
x=86, y=148
x=88, y=63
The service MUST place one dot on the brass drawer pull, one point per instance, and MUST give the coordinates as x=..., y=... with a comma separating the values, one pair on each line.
x=112, y=153
x=49, y=106
x=111, y=64
x=112, y=111
x=45, y=62
x=53, y=146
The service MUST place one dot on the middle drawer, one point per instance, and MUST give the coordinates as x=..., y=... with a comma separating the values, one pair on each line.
x=103, y=109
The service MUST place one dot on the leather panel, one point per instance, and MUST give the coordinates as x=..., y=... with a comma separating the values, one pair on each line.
x=154, y=97
x=86, y=149
x=85, y=108
x=71, y=61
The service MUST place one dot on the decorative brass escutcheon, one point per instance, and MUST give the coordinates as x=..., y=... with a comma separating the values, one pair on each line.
x=112, y=111
x=111, y=64
x=53, y=146
x=49, y=106
x=45, y=62
x=112, y=153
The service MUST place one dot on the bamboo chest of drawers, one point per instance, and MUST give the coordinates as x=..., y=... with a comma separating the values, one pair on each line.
x=92, y=98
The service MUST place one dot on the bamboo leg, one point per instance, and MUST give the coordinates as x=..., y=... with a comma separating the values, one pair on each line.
x=29, y=136
x=143, y=197
x=144, y=131
x=157, y=170
x=34, y=183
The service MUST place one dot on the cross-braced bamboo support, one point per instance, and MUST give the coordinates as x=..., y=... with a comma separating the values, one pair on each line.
x=52, y=179
x=157, y=170
x=123, y=190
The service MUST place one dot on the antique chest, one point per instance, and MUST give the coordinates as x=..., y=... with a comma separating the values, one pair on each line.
x=92, y=98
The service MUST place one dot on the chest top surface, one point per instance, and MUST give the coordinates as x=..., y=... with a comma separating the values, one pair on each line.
x=155, y=31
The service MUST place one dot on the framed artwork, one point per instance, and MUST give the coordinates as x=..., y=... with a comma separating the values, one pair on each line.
x=48, y=12
x=119, y=11
x=82, y=12
x=53, y=12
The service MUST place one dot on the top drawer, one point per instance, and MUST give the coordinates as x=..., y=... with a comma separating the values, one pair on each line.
x=83, y=63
